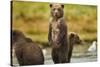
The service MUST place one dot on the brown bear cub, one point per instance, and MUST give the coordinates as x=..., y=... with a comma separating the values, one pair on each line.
x=57, y=35
x=73, y=39
x=26, y=51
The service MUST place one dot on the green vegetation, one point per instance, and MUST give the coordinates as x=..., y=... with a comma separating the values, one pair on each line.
x=32, y=18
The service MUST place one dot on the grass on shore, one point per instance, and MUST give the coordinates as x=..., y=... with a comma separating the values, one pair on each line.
x=32, y=18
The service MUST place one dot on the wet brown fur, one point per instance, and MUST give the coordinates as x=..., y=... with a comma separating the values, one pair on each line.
x=57, y=35
x=26, y=51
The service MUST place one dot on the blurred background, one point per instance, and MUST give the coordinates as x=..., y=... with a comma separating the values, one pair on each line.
x=32, y=18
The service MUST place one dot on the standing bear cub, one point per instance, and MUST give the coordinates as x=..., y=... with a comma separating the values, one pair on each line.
x=57, y=35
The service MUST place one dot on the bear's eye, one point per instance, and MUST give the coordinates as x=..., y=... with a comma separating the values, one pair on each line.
x=54, y=9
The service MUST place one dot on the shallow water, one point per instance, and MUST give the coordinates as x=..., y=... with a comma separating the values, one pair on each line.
x=76, y=57
x=80, y=54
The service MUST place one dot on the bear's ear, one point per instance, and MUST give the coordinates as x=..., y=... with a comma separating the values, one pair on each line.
x=50, y=5
x=72, y=35
x=62, y=5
